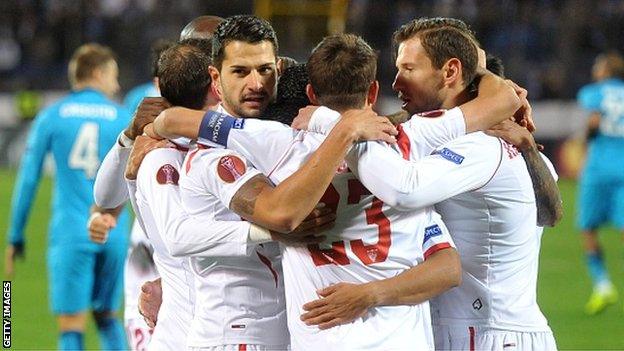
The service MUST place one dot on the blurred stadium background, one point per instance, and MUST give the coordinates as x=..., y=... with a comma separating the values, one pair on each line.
x=547, y=46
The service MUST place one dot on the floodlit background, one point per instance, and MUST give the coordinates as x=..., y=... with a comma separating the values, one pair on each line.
x=547, y=46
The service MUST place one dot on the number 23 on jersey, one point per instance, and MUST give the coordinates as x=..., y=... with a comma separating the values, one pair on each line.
x=368, y=254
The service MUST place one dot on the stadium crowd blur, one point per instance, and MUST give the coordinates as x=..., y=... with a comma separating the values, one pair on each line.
x=547, y=46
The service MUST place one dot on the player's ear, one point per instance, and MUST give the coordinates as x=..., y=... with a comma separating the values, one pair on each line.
x=280, y=66
x=311, y=95
x=215, y=77
x=373, y=93
x=452, y=70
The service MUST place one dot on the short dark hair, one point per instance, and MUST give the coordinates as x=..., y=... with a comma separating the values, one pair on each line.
x=204, y=44
x=291, y=94
x=157, y=48
x=443, y=38
x=246, y=28
x=341, y=69
x=495, y=65
x=183, y=76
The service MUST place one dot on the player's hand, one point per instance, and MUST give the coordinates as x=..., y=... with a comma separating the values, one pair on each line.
x=366, y=124
x=142, y=145
x=99, y=225
x=319, y=220
x=524, y=115
x=12, y=252
x=339, y=304
x=302, y=120
x=513, y=133
x=147, y=111
x=150, y=300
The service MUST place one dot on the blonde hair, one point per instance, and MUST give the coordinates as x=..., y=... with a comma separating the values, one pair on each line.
x=86, y=59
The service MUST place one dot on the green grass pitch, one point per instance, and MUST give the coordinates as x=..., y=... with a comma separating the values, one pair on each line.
x=563, y=282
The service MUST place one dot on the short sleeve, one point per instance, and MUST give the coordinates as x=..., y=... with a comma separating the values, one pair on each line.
x=435, y=237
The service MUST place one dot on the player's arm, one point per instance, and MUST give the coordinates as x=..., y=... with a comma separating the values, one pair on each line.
x=284, y=207
x=593, y=126
x=496, y=101
x=261, y=142
x=110, y=189
x=26, y=185
x=547, y=195
x=343, y=302
x=455, y=168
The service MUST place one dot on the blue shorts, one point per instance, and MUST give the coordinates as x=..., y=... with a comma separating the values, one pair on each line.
x=600, y=201
x=81, y=278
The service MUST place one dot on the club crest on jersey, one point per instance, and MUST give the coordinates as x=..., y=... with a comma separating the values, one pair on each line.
x=167, y=174
x=432, y=231
x=230, y=168
x=450, y=155
x=432, y=114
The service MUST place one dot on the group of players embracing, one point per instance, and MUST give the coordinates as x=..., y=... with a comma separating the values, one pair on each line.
x=330, y=227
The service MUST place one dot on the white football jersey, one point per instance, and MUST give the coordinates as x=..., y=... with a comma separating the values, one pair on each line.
x=370, y=240
x=485, y=195
x=494, y=227
x=240, y=293
x=156, y=197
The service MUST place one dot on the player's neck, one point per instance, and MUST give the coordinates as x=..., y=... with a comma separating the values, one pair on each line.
x=86, y=85
x=455, y=99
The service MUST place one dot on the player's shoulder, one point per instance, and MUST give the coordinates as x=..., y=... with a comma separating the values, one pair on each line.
x=425, y=122
x=161, y=165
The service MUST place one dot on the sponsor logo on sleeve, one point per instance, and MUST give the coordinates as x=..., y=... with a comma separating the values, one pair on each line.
x=215, y=127
x=450, y=155
x=239, y=123
x=167, y=174
x=432, y=231
x=230, y=168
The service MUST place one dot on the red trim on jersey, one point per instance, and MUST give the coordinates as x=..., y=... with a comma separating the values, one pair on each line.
x=189, y=160
x=267, y=262
x=403, y=142
x=471, y=330
x=242, y=347
x=283, y=157
x=435, y=248
x=500, y=161
x=179, y=147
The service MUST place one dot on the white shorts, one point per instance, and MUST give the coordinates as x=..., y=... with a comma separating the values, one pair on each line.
x=139, y=334
x=483, y=338
x=242, y=347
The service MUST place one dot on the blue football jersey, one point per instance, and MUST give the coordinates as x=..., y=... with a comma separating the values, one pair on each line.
x=78, y=131
x=605, y=152
x=136, y=95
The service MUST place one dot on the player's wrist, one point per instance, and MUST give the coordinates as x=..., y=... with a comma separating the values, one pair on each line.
x=527, y=144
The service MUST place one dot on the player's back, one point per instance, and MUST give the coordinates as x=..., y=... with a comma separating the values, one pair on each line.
x=369, y=241
x=157, y=183
x=494, y=228
x=80, y=129
x=607, y=98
